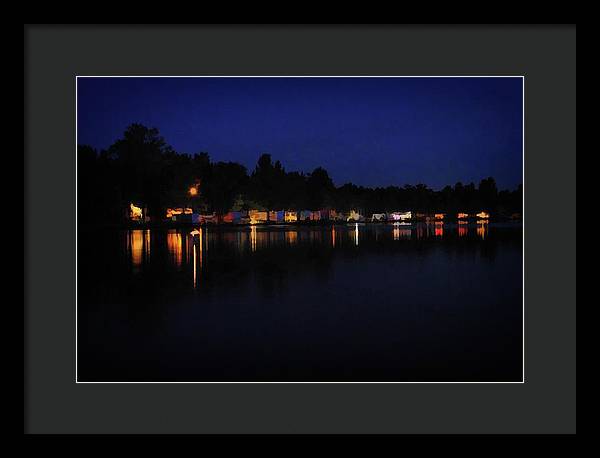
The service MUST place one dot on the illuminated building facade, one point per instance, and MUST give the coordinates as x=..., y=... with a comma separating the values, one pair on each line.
x=399, y=216
x=174, y=212
x=135, y=213
x=258, y=216
x=277, y=216
x=354, y=216
x=290, y=217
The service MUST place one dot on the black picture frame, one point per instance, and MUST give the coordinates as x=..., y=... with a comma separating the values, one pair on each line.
x=545, y=56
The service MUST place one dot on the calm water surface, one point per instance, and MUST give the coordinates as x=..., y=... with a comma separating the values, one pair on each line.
x=437, y=302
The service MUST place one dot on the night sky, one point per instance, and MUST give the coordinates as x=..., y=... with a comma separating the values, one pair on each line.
x=369, y=131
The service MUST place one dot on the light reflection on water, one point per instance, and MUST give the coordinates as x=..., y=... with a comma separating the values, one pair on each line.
x=138, y=246
x=185, y=248
x=482, y=228
x=253, y=238
x=197, y=247
x=265, y=296
x=400, y=232
x=291, y=237
x=405, y=233
x=136, y=241
x=175, y=246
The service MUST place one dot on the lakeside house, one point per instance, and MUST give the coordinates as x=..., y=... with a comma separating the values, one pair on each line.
x=325, y=214
x=277, y=216
x=258, y=216
x=234, y=217
x=305, y=215
x=330, y=214
x=182, y=215
x=208, y=219
x=187, y=215
x=355, y=216
x=399, y=216
x=290, y=216
x=174, y=212
x=136, y=214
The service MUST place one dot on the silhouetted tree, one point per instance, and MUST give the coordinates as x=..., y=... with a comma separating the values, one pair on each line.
x=141, y=168
x=488, y=193
x=319, y=188
x=139, y=158
x=226, y=182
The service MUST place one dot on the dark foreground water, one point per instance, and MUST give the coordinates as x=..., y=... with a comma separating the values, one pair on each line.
x=348, y=303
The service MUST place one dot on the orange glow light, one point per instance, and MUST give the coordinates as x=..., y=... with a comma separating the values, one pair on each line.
x=178, y=211
x=290, y=216
x=135, y=212
x=175, y=247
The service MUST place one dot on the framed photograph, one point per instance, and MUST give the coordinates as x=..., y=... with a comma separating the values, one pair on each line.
x=379, y=240
x=328, y=240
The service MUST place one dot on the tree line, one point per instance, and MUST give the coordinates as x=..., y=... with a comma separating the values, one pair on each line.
x=142, y=168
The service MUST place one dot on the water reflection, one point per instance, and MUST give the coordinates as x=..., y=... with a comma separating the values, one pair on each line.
x=405, y=234
x=190, y=248
x=175, y=247
x=136, y=241
x=195, y=269
x=291, y=237
x=147, y=243
x=138, y=246
x=399, y=233
x=482, y=228
x=242, y=241
x=197, y=247
x=253, y=238
x=318, y=237
x=260, y=238
x=461, y=302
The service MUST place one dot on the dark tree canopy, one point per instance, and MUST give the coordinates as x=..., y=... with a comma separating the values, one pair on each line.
x=141, y=168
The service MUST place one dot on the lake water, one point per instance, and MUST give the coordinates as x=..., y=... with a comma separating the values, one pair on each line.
x=379, y=302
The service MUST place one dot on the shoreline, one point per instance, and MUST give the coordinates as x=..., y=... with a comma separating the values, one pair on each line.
x=325, y=223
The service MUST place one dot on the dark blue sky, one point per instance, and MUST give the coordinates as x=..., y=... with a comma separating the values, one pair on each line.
x=370, y=131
